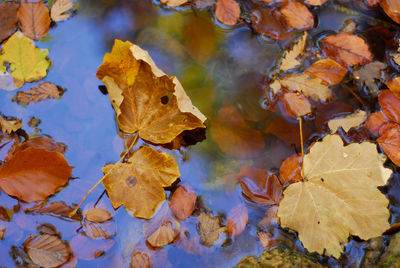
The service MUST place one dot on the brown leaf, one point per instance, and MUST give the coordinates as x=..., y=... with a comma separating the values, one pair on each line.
x=47, y=250
x=164, y=235
x=4, y=216
x=140, y=260
x=182, y=202
x=209, y=229
x=390, y=143
x=96, y=231
x=347, y=49
x=34, y=19
x=227, y=11
x=8, y=125
x=85, y=248
x=375, y=122
x=98, y=215
x=174, y=3
x=234, y=136
x=2, y=232
x=8, y=19
x=42, y=92
x=391, y=8
x=290, y=170
x=315, y=2
x=327, y=70
x=34, y=174
x=57, y=208
x=59, y=10
x=237, y=220
x=296, y=104
x=394, y=86
x=268, y=22
x=260, y=186
x=390, y=105
x=296, y=15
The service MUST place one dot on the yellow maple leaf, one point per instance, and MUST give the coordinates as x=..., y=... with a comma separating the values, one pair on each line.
x=339, y=197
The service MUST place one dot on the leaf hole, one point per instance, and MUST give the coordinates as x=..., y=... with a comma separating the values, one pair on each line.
x=322, y=179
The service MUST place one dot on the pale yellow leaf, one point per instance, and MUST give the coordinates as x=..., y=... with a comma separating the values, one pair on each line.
x=59, y=9
x=289, y=60
x=174, y=3
x=347, y=122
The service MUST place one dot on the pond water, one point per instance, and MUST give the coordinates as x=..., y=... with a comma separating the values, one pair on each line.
x=217, y=66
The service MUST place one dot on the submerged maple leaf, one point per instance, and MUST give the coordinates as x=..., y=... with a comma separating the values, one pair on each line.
x=339, y=197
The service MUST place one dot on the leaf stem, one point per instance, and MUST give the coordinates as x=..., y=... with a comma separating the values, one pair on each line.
x=301, y=144
x=105, y=175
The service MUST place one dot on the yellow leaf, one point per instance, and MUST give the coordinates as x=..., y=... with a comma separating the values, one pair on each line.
x=138, y=185
x=27, y=63
x=339, y=197
x=289, y=60
x=347, y=122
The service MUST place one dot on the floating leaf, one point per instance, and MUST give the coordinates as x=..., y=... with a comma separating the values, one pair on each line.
x=138, y=185
x=96, y=231
x=289, y=60
x=340, y=196
x=42, y=92
x=9, y=125
x=296, y=104
x=290, y=170
x=43, y=142
x=390, y=105
x=59, y=11
x=140, y=260
x=391, y=8
x=327, y=70
x=368, y=75
x=346, y=49
x=98, y=215
x=34, y=19
x=227, y=11
x=237, y=220
x=375, y=122
x=209, y=229
x=174, y=3
x=8, y=19
x=163, y=236
x=182, y=202
x=390, y=143
x=311, y=87
x=268, y=22
x=347, y=122
x=57, y=208
x=297, y=16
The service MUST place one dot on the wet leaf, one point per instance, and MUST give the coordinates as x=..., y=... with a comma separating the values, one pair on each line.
x=47, y=250
x=96, y=231
x=347, y=49
x=98, y=215
x=260, y=186
x=347, y=122
x=42, y=92
x=237, y=220
x=233, y=134
x=290, y=170
x=287, y=132
x=289, y=60
x=391, y=8
x=9, y=125
x=27, y=63
x=57, y=208
x=369, y=74
x=163, y=236
x=327, y=70
x=140, y=260
x=8, y=19
x=174, y=3
x=138, y=185
x=390, y=143
x=209, y=229
x=340, y=196
x=227, y=11
x=43, y=142
x=59, y=10
x=394, y=86
x=390, y=105
x=34, y=174
x=375, y=122
x=146, y=100
x=297, y=16
x=182, y=202
x=34, y=19
x=315, y=2
x=296, y=104
x=268, y=22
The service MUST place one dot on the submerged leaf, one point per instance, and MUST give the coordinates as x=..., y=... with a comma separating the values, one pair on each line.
x=163, y=236
x=42, y=92
x=375, y=122
x=297, y=16
x=237, y=220
x=390, y=142
x=296, y=104
x=290, y=170
x=182, y=202
x=34, y=19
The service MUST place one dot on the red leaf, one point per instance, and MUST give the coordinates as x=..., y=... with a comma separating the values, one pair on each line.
x=390, y=143
x=327, y=70
x=375, y=122
x=237, y=220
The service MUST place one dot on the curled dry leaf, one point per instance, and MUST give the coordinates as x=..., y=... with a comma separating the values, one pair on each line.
x=289, y=60
x=146, y=100
x=327, y=70
x=234, y=136
x=34, y=19
x=42, y=92
x=8, y=19
x=98, y=215
x=394, y=86
x=375, y=122
x=47, y=250
x=390, y=105
x=59, y=11
x=297, y=16
x=9, y=125
x=227, y=11
x=315, y=2
x=163, y=236
x=138, y=185
x=260, y=186
x=268, y=22
x=182, y=202
x=237, y=220
x=140, y=260
x=391, y=8
x=296, y=104
x=339, y=197
x=34, y=174
x=347, y=49
x=174, y=3
x=290, y=170
x=347, y=122
x=390, y=143
x=209, y=229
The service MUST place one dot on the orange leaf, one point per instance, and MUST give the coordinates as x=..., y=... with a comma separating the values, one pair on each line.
x=234, y=136
x=237, y=220
x=227, y=11
x=42, y=92
x=268, y=22
x=8, y=19
x=327, y=70
x=182, y=202
x=98, y=215
x=42, y=142
x=346, y=49
x=394, y=86
x=375, y=122
x=290, y=170
x=391, y=8
x=390, y=105
x=296, y=104
x=34, y=174
x=390, y=143
x=297, y=16
x=34, y=19
x=57, y=208
x=373, y=2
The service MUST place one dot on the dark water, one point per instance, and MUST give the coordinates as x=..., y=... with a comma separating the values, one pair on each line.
x=215, y=65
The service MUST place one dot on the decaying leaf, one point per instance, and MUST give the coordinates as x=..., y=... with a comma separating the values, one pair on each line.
x=290, y=170
x=347, y=122
x=59, y=11
x=9, y=125
x=391, y=8
x=98, y=215
x=289, y=60
x=227, y=11
x=297, y=16
x=146, y=100
x=394, y=86
x=47, y=250
x=369, y=74
x=34, y=174
x=339, y=197
x=237, y=220
x=8, y=19
x=57, y=208
x=296, y=104
x=138, y=184
x=346, y=49
x=27, y=63
x=182, y=202
x=174, y=3
x=311, y=87
x=327, y=70
x=209, y=229
x=390, y=143
x=163, y=236
x=140, y=260
x=34, y=19
x=42, y=92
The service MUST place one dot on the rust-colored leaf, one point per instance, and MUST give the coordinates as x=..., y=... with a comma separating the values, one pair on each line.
x=260, y=186
x=182, y=202
x=97, y=215
x=42, y=92
x=47, y=250
x=57, y=208
x=394, y=86
x=268, y=22
x=2, y=232
x=140, y=260
x=43, y=142
x=34, y=174
x=346, y=49
x=327, y=70
x=391, y=8
x=296, y=104
x=209, y=229
x=390, y=143
x=390, y=105
x=164, y=235
x=4, y=216
x=227, y=11
x=297, y=16
x=34, y=19
x=290, y=170
x=237, y=220
x=234, y=136
x=375, y=122
x=8, y=19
